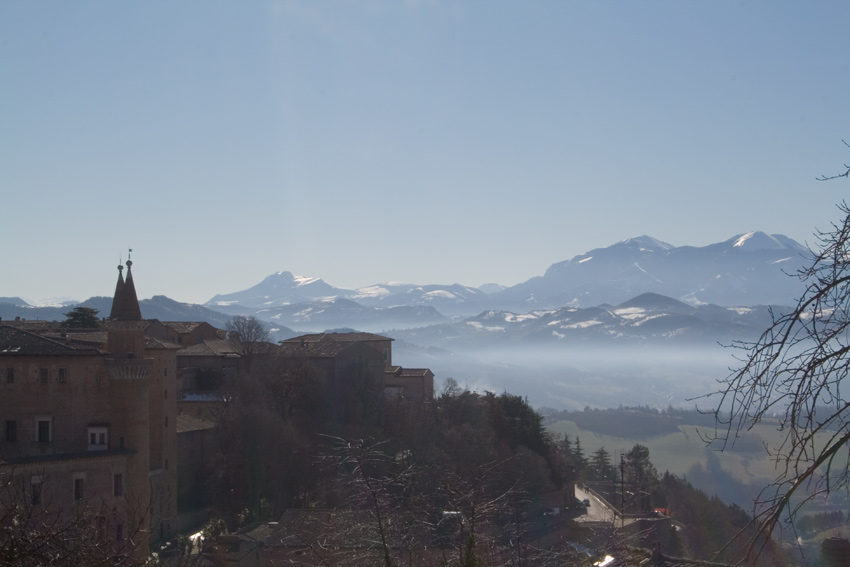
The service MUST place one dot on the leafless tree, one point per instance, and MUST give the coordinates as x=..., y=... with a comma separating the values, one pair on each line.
x=378, y=482
x=794, y=373
x=36, y=531
x=249, y=334
x=846, y=173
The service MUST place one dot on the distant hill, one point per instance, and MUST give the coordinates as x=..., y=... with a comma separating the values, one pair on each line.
x=339, y=312
x=281, y=288
x=157, y=307
x=747, y=269
x=648, y=318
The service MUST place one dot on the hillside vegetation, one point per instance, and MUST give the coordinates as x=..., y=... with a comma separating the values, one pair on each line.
x=287, y=443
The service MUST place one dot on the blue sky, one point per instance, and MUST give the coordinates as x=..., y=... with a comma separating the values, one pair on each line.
x=428, y=142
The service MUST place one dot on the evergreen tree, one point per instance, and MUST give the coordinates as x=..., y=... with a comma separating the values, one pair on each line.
x=81, y=318
x=600, y=465
x=566, y=447
x=578, y=456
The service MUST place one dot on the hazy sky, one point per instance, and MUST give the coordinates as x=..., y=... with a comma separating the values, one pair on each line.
x=428, y=142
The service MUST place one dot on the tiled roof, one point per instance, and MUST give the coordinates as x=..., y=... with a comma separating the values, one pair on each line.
x=339, y=337
x=214, y=347
x=315, y=349
x=407, y=372
x=184, y=326
x=87, y=339
x=15, y=342
x=153, y=343
x=34, y=326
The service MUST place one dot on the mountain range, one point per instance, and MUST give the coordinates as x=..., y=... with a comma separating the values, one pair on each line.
x=635, y=289
x=748, y=269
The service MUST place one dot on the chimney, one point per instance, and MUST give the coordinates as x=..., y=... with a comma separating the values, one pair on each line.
x=835, y=552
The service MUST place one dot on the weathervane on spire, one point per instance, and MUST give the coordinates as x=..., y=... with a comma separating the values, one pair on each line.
x=129, y=262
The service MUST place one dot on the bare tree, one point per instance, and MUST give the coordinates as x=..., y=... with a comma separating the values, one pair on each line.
x=378, y=482
x=249, y=334
x=794, y=373
x=35, y=530
x=846, y=173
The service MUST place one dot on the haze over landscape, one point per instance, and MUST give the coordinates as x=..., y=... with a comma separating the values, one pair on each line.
x=507, y=248
x=637, y=322
x=425, y=142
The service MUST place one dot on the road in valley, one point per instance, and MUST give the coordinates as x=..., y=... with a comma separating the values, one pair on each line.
x=597, y=511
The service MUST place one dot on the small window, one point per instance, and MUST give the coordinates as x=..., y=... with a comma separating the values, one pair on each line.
x=118, y=484
x=10, y=375
x=98, y=438
x=43, y=375
x=44, y=433
x=35, y=490
x=63, y=375
x=119, y=532
x=166, y=421
x=11, y=431
x=79, y=489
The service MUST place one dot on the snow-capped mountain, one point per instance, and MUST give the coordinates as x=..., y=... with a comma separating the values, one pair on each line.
x=454, y=299
x=338, y=312
x=281, y=288
x=648, y=318
x=747, y=269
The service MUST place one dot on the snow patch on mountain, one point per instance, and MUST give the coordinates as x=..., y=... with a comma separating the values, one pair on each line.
x=440, y=293
x=371, y=291
x=303, y=280
x=630, y=313
x=650, y=318
x=582, y=324
x=477, y=325
x=742, y=239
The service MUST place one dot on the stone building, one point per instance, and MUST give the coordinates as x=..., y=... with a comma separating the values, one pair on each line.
x=332, y=354
x=93, y=427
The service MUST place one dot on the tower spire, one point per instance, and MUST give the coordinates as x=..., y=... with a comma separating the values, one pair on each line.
x=125, y=304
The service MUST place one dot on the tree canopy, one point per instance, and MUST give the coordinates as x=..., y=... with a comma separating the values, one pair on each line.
x=81, y=318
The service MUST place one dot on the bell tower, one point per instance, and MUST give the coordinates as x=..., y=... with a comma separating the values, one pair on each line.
x=129, y=373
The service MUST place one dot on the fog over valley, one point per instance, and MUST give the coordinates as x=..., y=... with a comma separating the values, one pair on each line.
x=639, y=322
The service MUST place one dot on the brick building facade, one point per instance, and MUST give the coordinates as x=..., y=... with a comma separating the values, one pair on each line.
x=93, y=427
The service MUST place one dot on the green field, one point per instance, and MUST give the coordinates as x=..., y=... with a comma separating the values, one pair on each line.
x=682, y=451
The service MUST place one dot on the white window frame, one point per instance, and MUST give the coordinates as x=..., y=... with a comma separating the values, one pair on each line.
x=101, y=438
